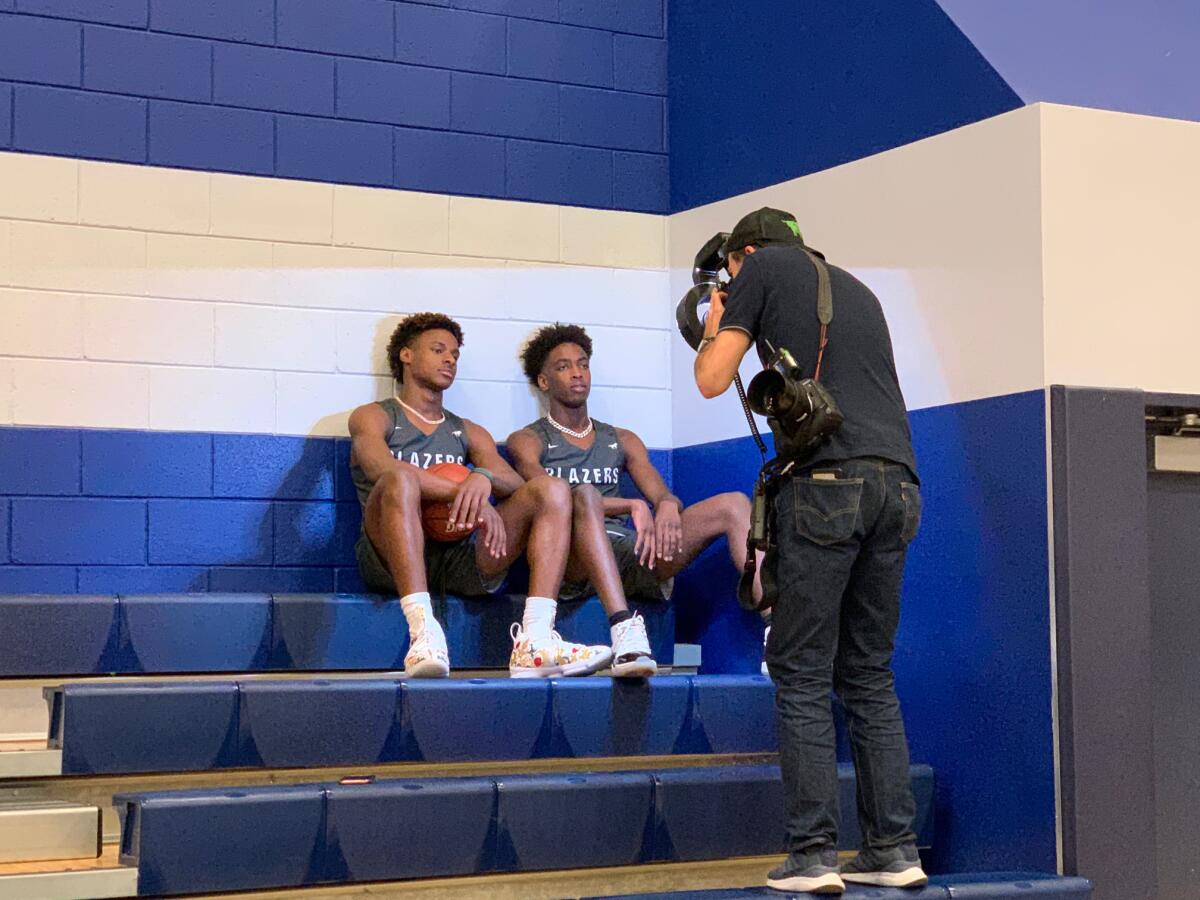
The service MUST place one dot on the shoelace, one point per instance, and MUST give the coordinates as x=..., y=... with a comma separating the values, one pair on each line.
x=423, y=646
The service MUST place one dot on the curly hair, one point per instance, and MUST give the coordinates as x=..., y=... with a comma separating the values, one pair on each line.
x=409, y=329
x=544, y=340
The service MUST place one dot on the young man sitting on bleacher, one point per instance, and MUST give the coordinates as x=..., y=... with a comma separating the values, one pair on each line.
x=394, y=442
x=590, y=456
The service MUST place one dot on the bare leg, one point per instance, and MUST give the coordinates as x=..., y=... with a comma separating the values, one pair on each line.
x=591, y=555
x=393, y=523
x=537, y=521
x=725, y=514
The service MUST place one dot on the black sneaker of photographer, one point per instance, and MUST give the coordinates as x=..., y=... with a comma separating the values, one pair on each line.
x=898, y=867
x=814, y=871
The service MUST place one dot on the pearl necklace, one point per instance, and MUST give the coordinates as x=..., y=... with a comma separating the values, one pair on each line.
x=418, y=415
x=567, y=431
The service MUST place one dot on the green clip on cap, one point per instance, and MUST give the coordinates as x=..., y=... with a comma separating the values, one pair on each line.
x=764, y=226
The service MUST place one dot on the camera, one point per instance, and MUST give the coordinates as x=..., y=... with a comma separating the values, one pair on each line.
x=799, y=410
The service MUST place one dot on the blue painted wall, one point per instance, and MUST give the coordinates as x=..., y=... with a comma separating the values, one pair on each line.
x=103, y=511
x=764, y=92
x=520, y=99
x=973, y=653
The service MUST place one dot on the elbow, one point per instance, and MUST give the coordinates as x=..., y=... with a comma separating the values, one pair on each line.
x=709, y=386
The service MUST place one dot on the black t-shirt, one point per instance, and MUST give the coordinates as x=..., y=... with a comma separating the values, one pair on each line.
x=774, y=298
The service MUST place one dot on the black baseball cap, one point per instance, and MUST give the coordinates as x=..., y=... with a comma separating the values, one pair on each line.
x=763, y=226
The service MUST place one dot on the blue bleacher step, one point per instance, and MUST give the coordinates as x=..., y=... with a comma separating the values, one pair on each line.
x=50, y=635
x=970, y=886
x=279, y=837
x=115, y=729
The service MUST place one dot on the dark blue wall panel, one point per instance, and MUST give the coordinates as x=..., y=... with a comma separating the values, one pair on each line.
x=5, y=115
x=587, y=117
x=814, y=85
x=347, y=27
x=41, y=50
x=251, y=21
x=264, y=579
x=399, y=95
x=512, y=107
x=39, y=461
x=279, y=80
x=145, y=464
x=633, y=16
x=640, y=64
x=443, y=161
x=188, y=136
x=37, y=580
x=119, y=61
x=332, y=150
x=144, y=579
x=550, y=172
x=272, y=467
x=76, y=123
x=84, y=530
x=210, y=85
x=4, y=515
x=560, y=53
x=450, y=38
x=210, y=532
x=131, y=13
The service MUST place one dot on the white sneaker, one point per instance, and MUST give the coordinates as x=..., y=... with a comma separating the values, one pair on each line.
x=546, y=657
x=631, y=650
x=427, y=655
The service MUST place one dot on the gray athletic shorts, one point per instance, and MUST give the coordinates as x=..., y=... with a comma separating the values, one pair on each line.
x=637, y=580
x=449, y=568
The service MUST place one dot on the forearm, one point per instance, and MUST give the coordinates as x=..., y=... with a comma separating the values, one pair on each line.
x=505, y=484
x=617, y=507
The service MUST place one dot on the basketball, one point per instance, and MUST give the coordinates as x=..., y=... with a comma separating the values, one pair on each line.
x=435, y=513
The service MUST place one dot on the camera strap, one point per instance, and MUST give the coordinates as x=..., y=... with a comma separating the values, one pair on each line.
x=824, y=307
x=759, y=536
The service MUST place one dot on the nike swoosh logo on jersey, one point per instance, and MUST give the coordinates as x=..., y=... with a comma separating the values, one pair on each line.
x=552, y=446
x=612, y=446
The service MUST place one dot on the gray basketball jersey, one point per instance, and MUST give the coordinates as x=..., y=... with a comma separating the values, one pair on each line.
x=447, y=444
x=600, y=464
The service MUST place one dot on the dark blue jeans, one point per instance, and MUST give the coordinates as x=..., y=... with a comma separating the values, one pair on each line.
x=837, y=567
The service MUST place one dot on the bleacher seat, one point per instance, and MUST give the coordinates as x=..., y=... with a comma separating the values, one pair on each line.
x=298, y=724
x=44, y=634
x=417, y=828
x=52, y=635
x=213, y=840
x=117, y=728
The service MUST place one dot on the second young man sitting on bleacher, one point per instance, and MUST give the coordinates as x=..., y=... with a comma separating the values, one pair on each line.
x=394, y=442
x=607, y=555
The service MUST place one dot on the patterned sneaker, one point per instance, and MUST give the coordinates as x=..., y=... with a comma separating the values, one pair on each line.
x=427, y=655
x=814, y=871
x=546, y=657
x=894, y=867
x=631, y=650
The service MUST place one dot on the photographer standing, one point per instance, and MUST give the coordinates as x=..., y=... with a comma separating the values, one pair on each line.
x=842, y=520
